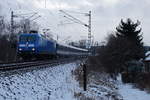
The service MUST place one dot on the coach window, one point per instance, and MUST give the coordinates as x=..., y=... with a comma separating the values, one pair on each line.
x=61, y=47
x=74, y=50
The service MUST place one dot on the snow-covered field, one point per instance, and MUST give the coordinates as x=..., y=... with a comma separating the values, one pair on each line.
x=52, y=83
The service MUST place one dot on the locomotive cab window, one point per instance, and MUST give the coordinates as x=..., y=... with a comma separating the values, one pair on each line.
x=27, y=38
x=31, y=39
x=23, y=39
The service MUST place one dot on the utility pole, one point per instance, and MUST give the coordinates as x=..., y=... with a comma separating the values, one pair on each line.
x=12, y=23
x=89, y=31
x=11, y=36
x=57, y=37
x=45, y=3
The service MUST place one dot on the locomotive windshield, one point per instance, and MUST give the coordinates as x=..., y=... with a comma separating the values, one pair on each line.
x=27, y=38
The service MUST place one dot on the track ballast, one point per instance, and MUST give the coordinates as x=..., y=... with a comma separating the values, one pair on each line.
x=21, y=65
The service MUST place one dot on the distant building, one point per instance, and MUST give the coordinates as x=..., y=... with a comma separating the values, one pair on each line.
x=147, y=48
x=147, y=61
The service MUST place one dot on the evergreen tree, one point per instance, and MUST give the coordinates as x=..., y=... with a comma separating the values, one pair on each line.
x=130, y=40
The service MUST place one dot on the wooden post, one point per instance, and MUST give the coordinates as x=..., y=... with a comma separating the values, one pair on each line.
x=84, y=77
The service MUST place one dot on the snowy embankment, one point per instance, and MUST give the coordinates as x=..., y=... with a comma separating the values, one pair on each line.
x=100, y=87
x=130, y=93
x=52, y=83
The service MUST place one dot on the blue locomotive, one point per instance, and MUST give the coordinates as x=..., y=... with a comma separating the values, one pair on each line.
x=38, y=46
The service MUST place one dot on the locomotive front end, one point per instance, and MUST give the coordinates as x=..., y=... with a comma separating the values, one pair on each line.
x=27, y=45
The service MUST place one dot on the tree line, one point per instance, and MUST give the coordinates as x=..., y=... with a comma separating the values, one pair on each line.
x=123, y=45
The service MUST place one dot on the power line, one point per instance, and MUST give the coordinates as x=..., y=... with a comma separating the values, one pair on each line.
x=76, y=20
x=21, y=15
x=26, y=14
x=73, y=18
x=76, y=12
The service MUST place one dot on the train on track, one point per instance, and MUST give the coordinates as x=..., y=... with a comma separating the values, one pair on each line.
x=35, y=45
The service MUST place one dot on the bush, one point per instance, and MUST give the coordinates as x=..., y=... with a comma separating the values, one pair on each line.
x=143, y=81
x=8, y=53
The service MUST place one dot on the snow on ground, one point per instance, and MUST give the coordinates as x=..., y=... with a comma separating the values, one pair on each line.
x=102, y=87
x=59, y=83
x=51, y=83
x=130, y=93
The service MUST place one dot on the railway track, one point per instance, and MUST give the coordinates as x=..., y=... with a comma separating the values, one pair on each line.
x=21, y=65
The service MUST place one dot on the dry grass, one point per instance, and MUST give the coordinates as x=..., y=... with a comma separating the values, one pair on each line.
x=79, y=75
x=95, y=80
x=143, y=82
x=81, y=96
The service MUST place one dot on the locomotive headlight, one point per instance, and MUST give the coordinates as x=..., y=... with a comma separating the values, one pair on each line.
x=20, y=49
x=33, y=49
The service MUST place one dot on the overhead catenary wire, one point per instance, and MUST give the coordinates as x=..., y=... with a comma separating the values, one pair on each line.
x=76, y=20
x=76, y=12
x=73, y=18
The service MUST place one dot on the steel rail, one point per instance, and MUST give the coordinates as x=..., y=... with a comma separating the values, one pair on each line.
x=13, y=66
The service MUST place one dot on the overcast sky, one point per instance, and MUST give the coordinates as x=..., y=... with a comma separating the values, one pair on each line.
x=106, y=15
